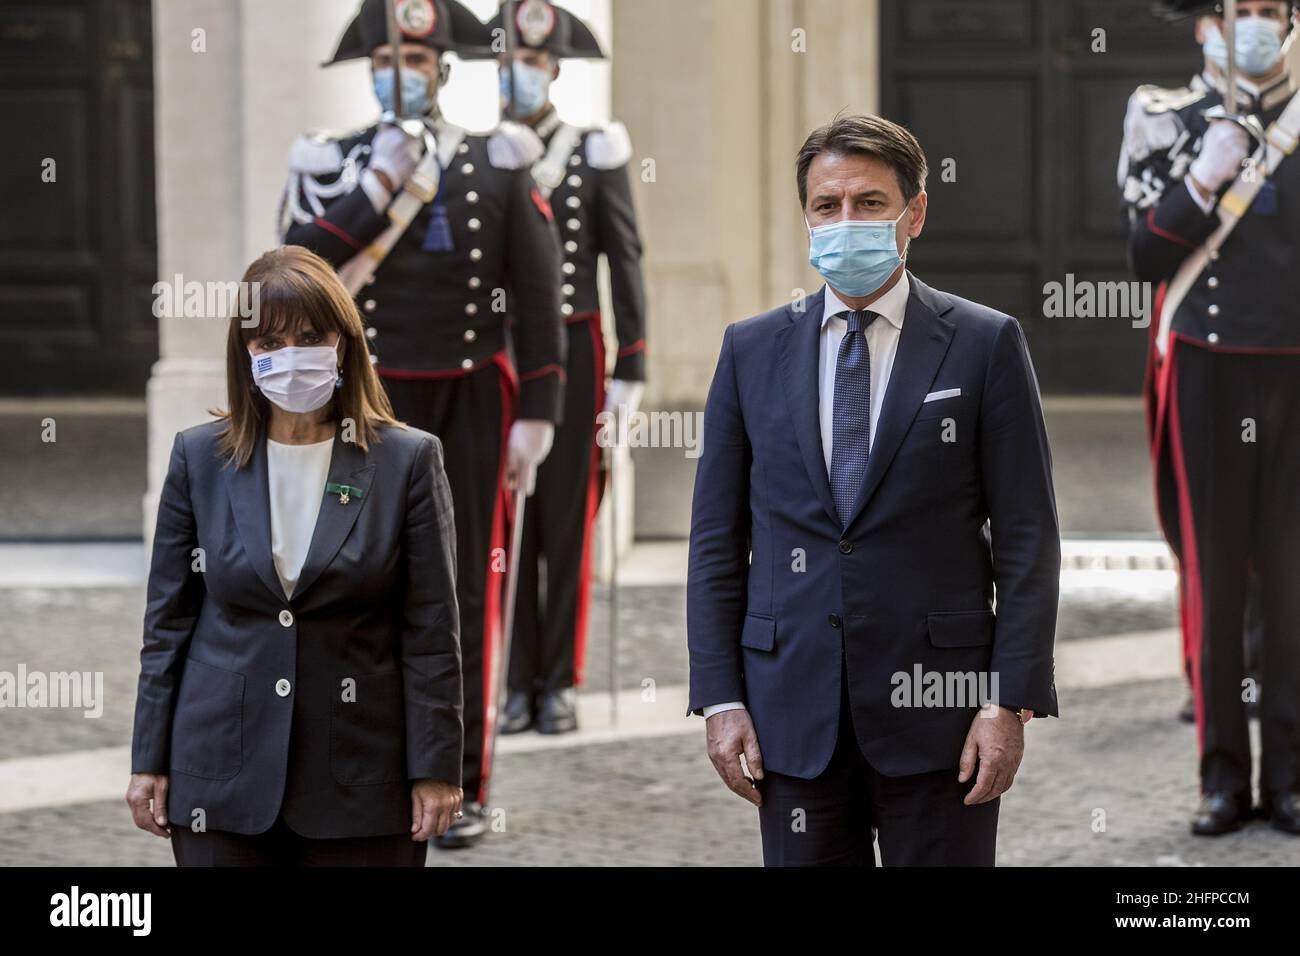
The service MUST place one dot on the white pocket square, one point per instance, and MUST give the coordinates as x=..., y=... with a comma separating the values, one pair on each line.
x=946, y=393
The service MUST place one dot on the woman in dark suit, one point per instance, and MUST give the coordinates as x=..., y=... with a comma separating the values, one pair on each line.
x=300, y=685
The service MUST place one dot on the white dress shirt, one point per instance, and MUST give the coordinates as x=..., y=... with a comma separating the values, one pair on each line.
x=296, y=478
x=882, y=341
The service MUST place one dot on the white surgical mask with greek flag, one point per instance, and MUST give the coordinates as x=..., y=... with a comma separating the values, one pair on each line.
x=298, y=378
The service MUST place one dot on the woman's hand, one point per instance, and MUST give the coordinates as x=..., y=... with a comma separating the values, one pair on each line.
x=434, y=805
x=144, y=789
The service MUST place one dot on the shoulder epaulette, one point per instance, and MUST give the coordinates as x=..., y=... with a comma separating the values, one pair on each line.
x=321, y=153
x=1159, y=99
x=514, y=146
x=608, y=146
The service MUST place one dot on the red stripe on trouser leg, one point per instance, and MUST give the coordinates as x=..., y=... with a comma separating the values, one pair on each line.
x=1191, y=610
x=589, y=517
x=492, y=607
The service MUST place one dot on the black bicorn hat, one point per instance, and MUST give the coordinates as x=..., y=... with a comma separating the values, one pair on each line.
x=438, y=24
x=541, y=25
x=1175, y=10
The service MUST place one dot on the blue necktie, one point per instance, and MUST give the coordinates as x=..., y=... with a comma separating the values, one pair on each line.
x=851, y=416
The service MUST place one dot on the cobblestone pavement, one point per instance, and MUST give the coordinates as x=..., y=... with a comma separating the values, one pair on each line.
x=1118, y=752
x=1111, y=783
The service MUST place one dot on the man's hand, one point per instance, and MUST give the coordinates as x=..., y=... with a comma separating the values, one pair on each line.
x=527, y=447
x=146, y=795
x=394, y=154
x=731, y=733
x=997, y=739
x=1223, y=150
x=433, y=807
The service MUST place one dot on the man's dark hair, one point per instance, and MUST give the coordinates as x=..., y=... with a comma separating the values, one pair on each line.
x=870, y=136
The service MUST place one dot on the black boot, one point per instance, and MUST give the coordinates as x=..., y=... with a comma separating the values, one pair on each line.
x=558, y=712
x=518, y=715
x=1221, y=813
x=1283, y=811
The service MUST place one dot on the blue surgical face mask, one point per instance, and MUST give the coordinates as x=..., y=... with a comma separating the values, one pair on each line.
x=532, y=90
x=1258, y=43
x=855, y=256
x=415, y=91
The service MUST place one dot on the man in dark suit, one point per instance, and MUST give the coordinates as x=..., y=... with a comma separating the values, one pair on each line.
x=875, y=472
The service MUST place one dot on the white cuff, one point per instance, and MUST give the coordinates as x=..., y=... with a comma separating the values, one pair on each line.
x=1207, y=205
x=719, y=708
x=374, y=189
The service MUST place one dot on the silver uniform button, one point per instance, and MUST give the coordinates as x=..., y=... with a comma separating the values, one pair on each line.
x=569, y=268
x=471, y=308
x=371, y=332
x=573, y=202
x=468, y=169
x=475, y=282
x=475, y=255
x=470, y=335
x=370, y=305
x=463, y=148
x=474, y=225
x=1212, y=282
x=571, y=246
x=282, y=687
x=1213, y=310
x=566, y=289
x=575, y=160
x=575, y=180
x=566, y=309
x=286, y=618
x=574, y=225
x=471, y=197
x=1212, y=338
x=468, y=363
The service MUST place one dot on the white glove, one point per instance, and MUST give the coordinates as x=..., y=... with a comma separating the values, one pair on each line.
x=395, y=152
x=529, y=443
x=623, y=398
x=1224, y=148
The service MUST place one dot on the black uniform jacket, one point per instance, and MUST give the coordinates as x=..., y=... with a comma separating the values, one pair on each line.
x=1247, y=297
x=594, y=210
x=479, y=264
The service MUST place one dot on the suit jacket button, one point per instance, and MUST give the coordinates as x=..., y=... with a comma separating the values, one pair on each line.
x=282, y=687
x=286, y=618
x=846, y=547
x=834, y=619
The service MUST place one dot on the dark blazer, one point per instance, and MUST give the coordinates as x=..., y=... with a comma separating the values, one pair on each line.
x=368, y=645
x=781, y=596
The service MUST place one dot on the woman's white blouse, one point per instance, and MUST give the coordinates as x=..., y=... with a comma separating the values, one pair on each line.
x=296, y=475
